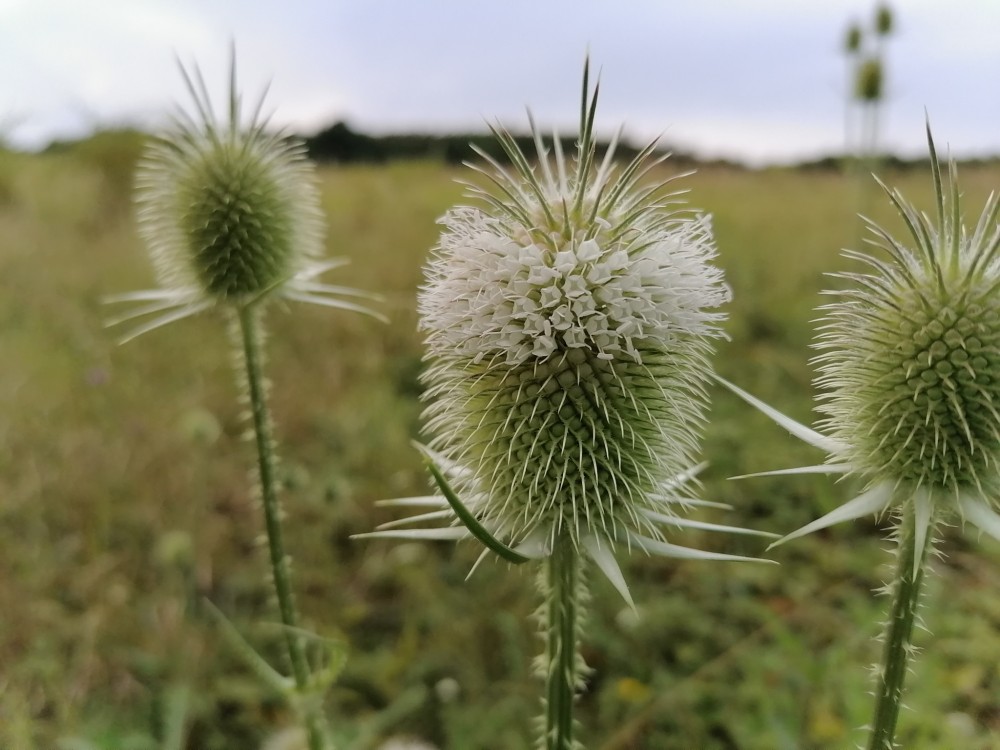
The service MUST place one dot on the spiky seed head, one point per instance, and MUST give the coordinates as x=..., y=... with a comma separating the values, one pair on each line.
x=227, y=208
x=884, y=22
x=869, y=81
x=911, y=359
x=568, y=321
x=852, y=39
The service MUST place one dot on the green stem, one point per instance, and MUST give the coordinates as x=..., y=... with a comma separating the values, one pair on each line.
x=898, y=643
x=562, y=662
x=280, y=573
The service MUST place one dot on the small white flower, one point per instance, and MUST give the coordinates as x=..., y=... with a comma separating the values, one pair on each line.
x=230, y=214
x=910, y=366
x=569, y=321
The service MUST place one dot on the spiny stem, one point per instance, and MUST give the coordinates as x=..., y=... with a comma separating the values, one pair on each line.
x=272, y=518
x=561, y=648
x=898, y=643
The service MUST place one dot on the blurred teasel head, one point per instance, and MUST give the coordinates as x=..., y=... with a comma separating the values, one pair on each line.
x=884, y=21
x=852, y=38
x=230, y=214
x=569, y=317
x=869, y=80
x=229, y=209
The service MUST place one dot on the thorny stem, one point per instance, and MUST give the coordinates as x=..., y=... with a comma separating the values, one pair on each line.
x=898, y=643
x=562, y=612
x=272, y=518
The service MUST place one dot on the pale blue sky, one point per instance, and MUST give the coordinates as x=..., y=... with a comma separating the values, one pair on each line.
x=759, y=80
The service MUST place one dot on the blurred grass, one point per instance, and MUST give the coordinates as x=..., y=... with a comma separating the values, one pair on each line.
x=124, y=502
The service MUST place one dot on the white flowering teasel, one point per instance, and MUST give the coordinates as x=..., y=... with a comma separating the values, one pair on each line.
x=569, y=318
x=910, y=369
x=230, y=214
x=568, y=321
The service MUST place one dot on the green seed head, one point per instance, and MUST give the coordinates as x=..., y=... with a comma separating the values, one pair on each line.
x=237, y=221
x=884, y=21
x=852, y=39
x=869, y=81
x=568, y=328
x=227, y=209
x=912, y=360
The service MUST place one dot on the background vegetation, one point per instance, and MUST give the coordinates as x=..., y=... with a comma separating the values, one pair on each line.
x=124, y=503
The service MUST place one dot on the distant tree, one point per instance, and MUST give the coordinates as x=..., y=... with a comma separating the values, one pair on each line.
x=340, y=143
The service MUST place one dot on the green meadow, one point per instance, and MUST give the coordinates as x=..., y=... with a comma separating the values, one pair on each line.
x=126, y=503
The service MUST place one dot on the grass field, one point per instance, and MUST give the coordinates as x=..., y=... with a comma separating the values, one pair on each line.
x=125, y=502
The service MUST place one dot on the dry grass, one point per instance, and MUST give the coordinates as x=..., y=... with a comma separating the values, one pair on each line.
x=124, y=501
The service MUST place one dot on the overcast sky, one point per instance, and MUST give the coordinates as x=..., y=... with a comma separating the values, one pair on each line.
x=757, y=80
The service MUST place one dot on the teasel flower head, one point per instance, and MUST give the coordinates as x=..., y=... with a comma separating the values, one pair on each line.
x=869, y=81
x=884, y=21
x=852, y=38
x=230, y=213
x=569, y=314
x=909, y=366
